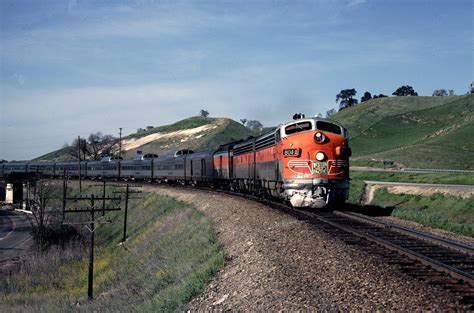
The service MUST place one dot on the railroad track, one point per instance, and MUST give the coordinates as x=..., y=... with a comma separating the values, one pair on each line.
x=436, y=260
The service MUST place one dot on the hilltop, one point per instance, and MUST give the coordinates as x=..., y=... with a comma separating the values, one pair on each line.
x=196, y=133
x=425, y=132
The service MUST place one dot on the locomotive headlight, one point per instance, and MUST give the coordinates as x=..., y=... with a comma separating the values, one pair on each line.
x=320, y=156
x=319, y=137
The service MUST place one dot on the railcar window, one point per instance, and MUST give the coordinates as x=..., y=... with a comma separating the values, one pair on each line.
x=329, y=127
x=298, y=127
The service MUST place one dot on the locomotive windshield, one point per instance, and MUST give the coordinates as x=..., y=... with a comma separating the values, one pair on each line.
x=329, y=127
x=298, y=127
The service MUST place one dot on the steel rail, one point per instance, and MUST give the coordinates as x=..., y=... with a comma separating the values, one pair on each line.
x=453, y=272
x=450, y=244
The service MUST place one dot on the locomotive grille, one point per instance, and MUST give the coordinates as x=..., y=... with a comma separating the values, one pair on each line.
x=340, y=163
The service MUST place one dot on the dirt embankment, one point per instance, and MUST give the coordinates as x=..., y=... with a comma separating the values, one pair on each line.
x=277, y=262
x=371, y=187
x=427, y=191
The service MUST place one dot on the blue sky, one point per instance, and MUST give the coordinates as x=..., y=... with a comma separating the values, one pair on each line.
x=70, y=68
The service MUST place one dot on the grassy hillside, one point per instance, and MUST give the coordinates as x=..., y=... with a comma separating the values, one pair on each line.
x=451, y=213
x=57, y=155
x=429, y=132
x=217, y=131
x=170, y=253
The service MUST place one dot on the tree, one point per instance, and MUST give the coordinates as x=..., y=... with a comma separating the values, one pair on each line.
x=330, y=113
x=346, y=98
x=472, y=88
x=45, y=210
x=254, y=124
x=204, y=113
x=96, y=146
x=451, y=92
x=381, y=95
x=100, y=145
x=77, y=149
x=440, y=93
x=367, y=96
x=404, y=91
x=243, y=121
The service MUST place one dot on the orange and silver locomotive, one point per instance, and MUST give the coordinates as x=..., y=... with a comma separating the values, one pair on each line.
x=315, y=157
x=305, y=161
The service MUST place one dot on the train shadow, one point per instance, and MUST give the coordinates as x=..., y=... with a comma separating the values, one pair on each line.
x=369, y=210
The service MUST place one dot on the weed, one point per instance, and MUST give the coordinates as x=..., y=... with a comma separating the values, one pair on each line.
x=427, y=178
x=445, y=212
x=170, y=254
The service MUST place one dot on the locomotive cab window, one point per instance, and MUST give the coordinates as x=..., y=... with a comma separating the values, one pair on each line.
x=329, y=127
x=298, y=127
x=277, y=136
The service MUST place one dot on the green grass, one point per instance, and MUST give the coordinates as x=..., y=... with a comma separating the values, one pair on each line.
x=370, y=163
x=454, y=214
x=355, y=191
x=428, y=156
x=425, y=178
x=359, y=118
x=170, y=254
x=358, y=177
x=426, y=132
x=446, y=212
x=228, y=132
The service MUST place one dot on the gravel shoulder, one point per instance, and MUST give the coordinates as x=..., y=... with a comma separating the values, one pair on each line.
x=277, y=262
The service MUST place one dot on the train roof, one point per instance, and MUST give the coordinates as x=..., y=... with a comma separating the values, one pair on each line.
x=311, y=119
x=317, y=123
x=229, y=145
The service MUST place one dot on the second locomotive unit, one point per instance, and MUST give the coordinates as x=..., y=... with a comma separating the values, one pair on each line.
x=304, y=162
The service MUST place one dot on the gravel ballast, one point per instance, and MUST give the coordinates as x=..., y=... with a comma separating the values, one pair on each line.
x=277, y=262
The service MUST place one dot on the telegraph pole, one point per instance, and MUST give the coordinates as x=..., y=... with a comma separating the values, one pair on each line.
x=103, y=200
x=120, y=142
x=92, y=228
x=127, y=198
x=79, y=153
x=125, y=216
x=90, y=283
x=64, y=191
x=120, y=153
